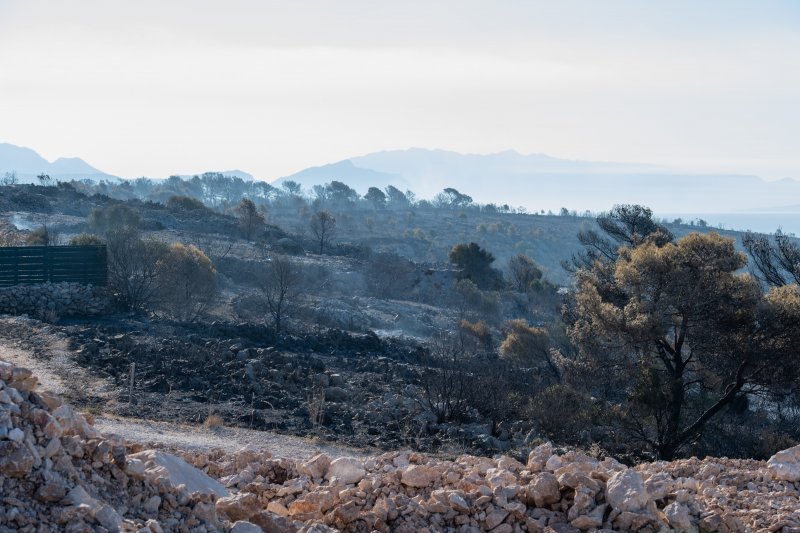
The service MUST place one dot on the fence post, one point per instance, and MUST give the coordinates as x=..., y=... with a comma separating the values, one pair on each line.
x=130, y=389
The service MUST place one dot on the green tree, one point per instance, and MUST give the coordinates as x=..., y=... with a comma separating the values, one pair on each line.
x=625, y=225
x=376, y=197
x=475, y=264
x=691, y=332
x=396, y=197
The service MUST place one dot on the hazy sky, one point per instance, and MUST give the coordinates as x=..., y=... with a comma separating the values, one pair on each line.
x=154, y=87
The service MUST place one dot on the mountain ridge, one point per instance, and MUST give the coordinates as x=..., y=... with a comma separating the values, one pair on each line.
x=27, y=164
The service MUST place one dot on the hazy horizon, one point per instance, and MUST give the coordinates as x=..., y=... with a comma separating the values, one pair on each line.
x=272, y=88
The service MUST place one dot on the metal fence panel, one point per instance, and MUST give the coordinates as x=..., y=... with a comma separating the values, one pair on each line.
x=40, y=264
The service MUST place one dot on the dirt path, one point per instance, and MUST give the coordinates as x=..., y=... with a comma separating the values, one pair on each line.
x=35, y=346
x=163, y=434
x=46, y=354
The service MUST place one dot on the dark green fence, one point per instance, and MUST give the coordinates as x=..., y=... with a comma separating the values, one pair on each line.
x=40, y=264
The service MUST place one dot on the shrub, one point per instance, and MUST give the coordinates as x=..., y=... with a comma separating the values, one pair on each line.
x=187, y=281
x=43, y=236
x=113, y=218
x=185, y=203
x=85, y=239
x=562, y=413
x=525, y=345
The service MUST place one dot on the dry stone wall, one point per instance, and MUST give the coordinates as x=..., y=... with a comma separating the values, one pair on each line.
x=53, y=299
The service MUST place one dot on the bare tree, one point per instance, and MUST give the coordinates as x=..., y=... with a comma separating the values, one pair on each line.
x=44, y=236
x=133, y=267
x=776, y=263
x=448, y=386
x=279, y=284
x=323, y=227
x=9, y=178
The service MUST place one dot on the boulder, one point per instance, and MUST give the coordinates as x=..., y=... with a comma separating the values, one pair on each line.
x=544, y=490
x=316, y=467
x=625, y=491
x=272, y=523
x=347, y=470
x=163, y=466
x=239, y=506
x=245, y=527
x=679, y=518
x=16, y=459
x=419, y=476
x=785, y=465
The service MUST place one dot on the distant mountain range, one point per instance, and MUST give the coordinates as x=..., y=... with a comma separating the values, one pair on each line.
x=27, y=164
x=535, y=181
x=539, y=181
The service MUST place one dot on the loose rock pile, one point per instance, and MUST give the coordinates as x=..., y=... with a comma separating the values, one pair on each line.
x=57, y=472
x=406, y=491
x=55, y=299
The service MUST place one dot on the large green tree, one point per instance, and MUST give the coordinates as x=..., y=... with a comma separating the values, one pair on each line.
x=691, y=332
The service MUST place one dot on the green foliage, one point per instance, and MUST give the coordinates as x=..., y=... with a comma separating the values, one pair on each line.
x=475, y=264
x=681, y=318
x=376, y=197
x=562, y=413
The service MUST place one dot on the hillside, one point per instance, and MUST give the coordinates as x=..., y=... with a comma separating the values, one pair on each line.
x=394, y=331
x=58, y=471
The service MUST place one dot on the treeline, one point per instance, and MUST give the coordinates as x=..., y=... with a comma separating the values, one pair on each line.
x=222, y=192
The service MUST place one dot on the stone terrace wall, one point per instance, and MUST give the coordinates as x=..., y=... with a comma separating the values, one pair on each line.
x=58, y=299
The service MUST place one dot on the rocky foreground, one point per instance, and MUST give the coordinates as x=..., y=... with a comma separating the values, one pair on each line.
x=57, y=473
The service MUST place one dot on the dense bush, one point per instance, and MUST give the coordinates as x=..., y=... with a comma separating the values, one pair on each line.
x=187, y=281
